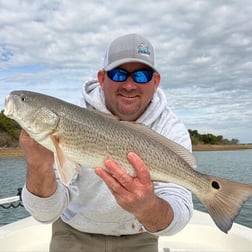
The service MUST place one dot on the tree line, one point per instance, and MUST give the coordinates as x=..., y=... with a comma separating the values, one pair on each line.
x=208, y=138
x=10, y=130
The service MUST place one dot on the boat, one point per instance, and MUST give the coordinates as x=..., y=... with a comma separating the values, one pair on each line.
x=201, y=234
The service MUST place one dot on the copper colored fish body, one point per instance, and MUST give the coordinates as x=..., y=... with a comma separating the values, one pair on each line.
x=78, y=136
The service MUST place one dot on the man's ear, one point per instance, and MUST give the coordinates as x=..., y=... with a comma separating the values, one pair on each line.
x=100, y=77
x=157, y=79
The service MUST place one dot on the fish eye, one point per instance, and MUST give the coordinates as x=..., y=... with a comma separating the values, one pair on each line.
x=23, y=98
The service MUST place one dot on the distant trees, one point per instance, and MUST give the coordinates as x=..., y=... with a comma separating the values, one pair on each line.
x=9, y=131
x=208, y=138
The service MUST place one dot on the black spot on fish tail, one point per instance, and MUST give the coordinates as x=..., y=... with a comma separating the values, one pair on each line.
x=215, y=185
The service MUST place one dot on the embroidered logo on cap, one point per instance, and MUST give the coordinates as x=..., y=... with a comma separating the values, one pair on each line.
x=142, y=49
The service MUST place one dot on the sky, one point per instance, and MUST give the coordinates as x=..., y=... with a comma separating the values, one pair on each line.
x=203, y=53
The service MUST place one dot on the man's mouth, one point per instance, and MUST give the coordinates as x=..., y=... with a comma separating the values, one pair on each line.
x=128, y=96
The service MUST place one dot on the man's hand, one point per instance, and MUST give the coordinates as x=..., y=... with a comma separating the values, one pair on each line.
x=136, y=194
x=35, y=153
x=40, y=174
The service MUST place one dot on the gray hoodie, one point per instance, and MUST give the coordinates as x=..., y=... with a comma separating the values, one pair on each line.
x=88, y=205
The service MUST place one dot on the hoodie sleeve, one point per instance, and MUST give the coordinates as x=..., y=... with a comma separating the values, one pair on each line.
x=180, y=200
x=48, y=210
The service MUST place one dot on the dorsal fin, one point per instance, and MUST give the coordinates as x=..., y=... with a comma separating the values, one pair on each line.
x=143, y=129
x=173, y=146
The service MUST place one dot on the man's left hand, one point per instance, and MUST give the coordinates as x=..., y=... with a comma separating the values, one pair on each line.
x=136, y=194
x=131, y=193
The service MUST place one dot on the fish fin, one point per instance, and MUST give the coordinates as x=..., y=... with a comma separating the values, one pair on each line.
x=78, y=168
x=69, y=168
x=224, y=201
x=66, y=168
x=143, y=129
x=178, y=149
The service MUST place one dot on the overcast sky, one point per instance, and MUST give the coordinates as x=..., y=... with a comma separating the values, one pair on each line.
x=203, y=52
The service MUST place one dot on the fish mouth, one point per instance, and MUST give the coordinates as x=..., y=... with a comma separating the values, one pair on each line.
x=8, y=107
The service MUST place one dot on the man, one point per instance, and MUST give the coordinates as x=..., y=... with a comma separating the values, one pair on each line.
x=107, y=210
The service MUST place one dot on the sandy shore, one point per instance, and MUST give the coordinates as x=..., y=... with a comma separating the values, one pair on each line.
x=11, y=152
x=207, y=147
x=17, y=152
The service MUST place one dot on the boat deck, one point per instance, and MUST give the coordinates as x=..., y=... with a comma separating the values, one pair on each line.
x=200, y=235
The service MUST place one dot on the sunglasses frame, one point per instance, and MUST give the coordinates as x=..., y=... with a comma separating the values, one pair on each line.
x=132, y=74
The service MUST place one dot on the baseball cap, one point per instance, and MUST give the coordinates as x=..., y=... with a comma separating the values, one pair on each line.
x=129, y=48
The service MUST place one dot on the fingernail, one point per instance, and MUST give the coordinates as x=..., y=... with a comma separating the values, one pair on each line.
x=131, y=155
x=108, y=162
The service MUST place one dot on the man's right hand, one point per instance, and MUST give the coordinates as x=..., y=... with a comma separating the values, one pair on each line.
x=35, y=153
x=40, y=179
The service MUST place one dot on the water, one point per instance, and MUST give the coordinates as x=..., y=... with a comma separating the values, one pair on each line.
x=13, y=172
x=235, y=165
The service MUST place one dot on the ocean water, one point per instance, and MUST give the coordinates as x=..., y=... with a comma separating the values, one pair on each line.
x=12, y=177
x=234, y=165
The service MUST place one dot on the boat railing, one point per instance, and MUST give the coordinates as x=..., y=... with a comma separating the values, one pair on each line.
x=12, y=202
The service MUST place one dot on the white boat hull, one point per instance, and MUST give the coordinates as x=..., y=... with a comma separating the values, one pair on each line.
x=200, y=235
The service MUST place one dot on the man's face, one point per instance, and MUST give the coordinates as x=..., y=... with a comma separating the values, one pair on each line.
x=128, y=100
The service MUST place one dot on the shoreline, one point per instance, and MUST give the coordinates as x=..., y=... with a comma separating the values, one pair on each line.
x=221, y=147
x=11, y=152
x=17, y=152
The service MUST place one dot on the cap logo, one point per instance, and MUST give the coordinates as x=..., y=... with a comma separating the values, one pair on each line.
x=142, y=49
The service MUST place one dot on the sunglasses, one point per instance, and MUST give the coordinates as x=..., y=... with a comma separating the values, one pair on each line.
x=139, y=76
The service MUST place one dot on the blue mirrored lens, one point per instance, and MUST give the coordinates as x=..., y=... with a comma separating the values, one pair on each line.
x=118, y=75
x=142, y=76
x=139, y=76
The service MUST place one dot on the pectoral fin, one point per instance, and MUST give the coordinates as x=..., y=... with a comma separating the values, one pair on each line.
x=65, y=167
x=44, y=120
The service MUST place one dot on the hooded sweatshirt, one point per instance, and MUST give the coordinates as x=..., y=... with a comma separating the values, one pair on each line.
x=88, y=205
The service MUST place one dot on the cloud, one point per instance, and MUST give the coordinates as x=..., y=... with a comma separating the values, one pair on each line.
x=203, y=52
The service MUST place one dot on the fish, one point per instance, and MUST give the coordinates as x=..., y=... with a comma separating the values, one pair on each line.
x=80, y=136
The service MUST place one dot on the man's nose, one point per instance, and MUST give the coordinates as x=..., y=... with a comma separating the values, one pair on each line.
x=129, y=84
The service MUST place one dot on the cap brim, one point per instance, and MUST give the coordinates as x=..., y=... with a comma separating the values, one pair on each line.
x=127, y=60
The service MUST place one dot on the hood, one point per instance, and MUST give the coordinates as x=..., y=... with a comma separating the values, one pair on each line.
x=94, y=99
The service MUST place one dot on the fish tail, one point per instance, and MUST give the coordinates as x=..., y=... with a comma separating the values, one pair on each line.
x=225, y=200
